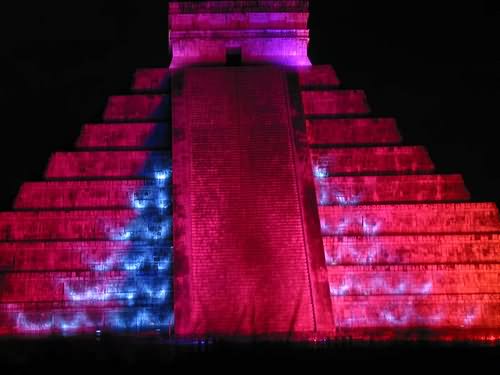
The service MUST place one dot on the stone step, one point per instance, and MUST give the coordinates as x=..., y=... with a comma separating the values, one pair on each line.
x=85, y=287
x=84, y=225
x=359, y=131
x=108, y=164
x=138, y=194
x=158, y=79
x=133, y=135
x=370, y=160
x=334, y=102
x=82, y=256
x=427, y=279
x=434, y=311
x=355, y=190
x=426, y=249
x=318, y=76
x=131, y=108
x=51, y=286
x=151, y=80
x=40, y=319
x=451, y=218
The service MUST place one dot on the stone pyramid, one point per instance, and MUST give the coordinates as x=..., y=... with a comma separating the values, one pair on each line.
x=257, y=200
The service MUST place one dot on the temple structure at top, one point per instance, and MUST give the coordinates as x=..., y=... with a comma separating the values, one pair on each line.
x=243, y=192
x=255, y=32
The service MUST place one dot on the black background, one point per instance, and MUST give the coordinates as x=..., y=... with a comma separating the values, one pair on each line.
x=432, y=65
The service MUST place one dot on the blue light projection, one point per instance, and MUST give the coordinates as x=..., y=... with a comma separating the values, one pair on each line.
x=140, y=296
x=320, y=172
x=356, y=284
x=354, y=256
x=328, y=196
x=345, y=224
x=147, y=290
x=353, y=285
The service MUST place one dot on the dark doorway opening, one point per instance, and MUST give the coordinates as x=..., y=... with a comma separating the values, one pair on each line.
x=233, y=56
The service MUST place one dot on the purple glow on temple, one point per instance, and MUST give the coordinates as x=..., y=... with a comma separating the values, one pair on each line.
x=278, y=35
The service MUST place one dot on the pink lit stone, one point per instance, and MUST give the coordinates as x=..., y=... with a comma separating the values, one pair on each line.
x=137, y=108
x=63, y=225
x=436, y=312
x=413, y=279
x=62, y=256
x=400, y=219
x=264, y=33
x=151, y=80
x=245, y=189
x=133, y=135
x=78, y=194
x=295, y=215
x=367, y=131
x=358, y=190
x=318, y=76
x=334, y=102
x=359, y=160
x=41, y=287
x=413, y=249
x=92, y=164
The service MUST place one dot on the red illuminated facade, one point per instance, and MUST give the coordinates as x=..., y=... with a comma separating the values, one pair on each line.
x=259, y=200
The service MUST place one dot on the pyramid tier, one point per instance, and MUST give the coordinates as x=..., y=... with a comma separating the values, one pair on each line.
x=137, y=108
x=81, y=255
x=151, y=80
x=84, y=225
x=362, y=280
x=409, y=219
x=71, y=318
x=369, y=160
x=355, y=190
x=152, y=135
x=412, y=249
x=85, y=286
x=93, y=194
x=405, y=312
x=158, y=79
x=101, y=164
x=359, y=131
x=334, y=102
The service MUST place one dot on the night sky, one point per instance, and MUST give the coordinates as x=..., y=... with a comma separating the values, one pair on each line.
x=435, y=67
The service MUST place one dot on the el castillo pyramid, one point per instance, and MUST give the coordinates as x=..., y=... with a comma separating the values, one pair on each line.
x=243, y=192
